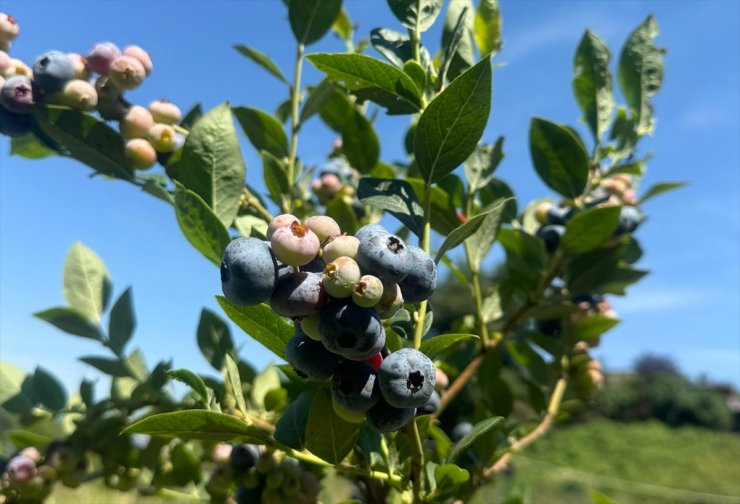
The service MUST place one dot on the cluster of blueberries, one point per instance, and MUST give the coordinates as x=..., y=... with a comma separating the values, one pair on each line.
x=337, y=288
x=259, y=477
x=66, y=79
x=614, y=190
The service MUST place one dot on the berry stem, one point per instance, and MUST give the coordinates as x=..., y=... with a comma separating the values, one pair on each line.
x=295, y=100
x=475, y=279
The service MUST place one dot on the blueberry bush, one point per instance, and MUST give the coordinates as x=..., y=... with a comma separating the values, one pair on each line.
x=376, y=403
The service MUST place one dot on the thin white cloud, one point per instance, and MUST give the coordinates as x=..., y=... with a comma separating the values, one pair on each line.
x=657, y=300
x=707, y=115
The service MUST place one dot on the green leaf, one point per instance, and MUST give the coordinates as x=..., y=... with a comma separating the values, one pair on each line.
x=311, y=19
x=417, y=74
x=12, y=378
x=261, y=323
x=450, y=127
x=416, y=14
x=328, y=436
x=359, y=141
x=193, y=381
x=24, y=439
x=457, y=39
x=192, y=116
x=449, y=477
x=87, y=139
x=587, y=272
x=343, y=27
x=559, y=157
x=340, y=209
x=201, y=226
x=48, y=390
x=640, y=73
x=394, y=46
x=263, y=383
x=524, y=246
x=591, y=327
x=487, y=27
x=276, y=177
x=112, y=367
x=235, y=382
x=481, y=164
x=29, y=147
x=497, y=189
x=264, y=131
x=478, y=430
x=316, y=98
x=599, y=498
x=214, y=338
x=212, y=166
x=71, y=321
x=185, y=465
x=444, y=216
x=158, y=191
x=459, y=235
x=396, y=197
x=592, y=83
x=86, y=282
x=262, y=60
x=621, y=278
x=197, y=424
x=371, y=79
x=122, y=322
x=660, y=188
x=290, y=430
x=590, y=228
x=481, y=241
x=431, y=347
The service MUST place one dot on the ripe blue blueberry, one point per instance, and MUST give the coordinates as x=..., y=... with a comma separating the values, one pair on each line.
x=354, y=386
x=431, y=406
x=385, y=418
x=351, y=331
x=370, y=230
x=559, y=214
x=407, y=378
x=298, y=294
x=629, y=219
x=14, y=125
x=309, y=358
x=421, y=278
x=52, y=70
x=16, y=95
x=384, y=256
x=243, y=457
x=551, y=236
x=248, y=272
x=461, y=430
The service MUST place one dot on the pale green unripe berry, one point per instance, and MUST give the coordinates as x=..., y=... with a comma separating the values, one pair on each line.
x=324, y=227
x=341, y=246
x=126, y=72
x=142, y=56
x=140, y=154
x=79, y=64
x=540, y=211
x=164, y=111
x=18, y=67
x=163, y=138
x=390, y=302
x=368, y=291
x=282, y=220
x=310, y=326
x=136, y=123
x=340, y=277
x=295, y=245
x=80, y=94
x=9, y=28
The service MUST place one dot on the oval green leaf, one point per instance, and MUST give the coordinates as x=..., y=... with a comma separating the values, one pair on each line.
x=434, y=346
x=559, y=157
x=197, y=424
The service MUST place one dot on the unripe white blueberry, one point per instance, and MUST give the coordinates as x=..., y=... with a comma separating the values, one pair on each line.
x=4, y=63
x=295, y=245
x=163, y=138
x=136, y=123
x=341, y=246
x=80, y=94
x=140, y=154
x=18, y=67
x=79, y=64
x=9, y=28
x=126, y=72
x=540, y=211
x=164, y=111
x=310, y=326
x=340, y=277
x=368, y=291
x=281, y=220
x=140, y=54
x=324, y=226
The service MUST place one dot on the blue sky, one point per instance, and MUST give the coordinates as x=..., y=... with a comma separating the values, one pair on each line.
x=689, y=308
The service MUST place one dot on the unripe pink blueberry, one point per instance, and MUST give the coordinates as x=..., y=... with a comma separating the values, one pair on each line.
x=16, y=95
x=21, y=469
x=390, y=302
x=340, y=277
x=101, y=56
x=140, y=54
x=106, y=89
x=281, y=220
x=341, y=246
x=368, y=291
x=629, y=197
x=136, y=123
x=163, y=138
x=79, y=64
x=310, y=326
x=126, y=72
x=295, y=245
x=164, y=111
x=32, y=452
x=9, y=28
x=80, y=94
x=140, y=154
x=324, y=226
x=4, y=63
x=18, y=68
